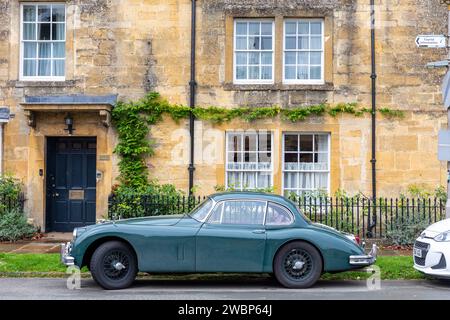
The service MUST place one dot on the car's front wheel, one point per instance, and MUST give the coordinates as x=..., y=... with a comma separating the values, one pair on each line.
x=297, y=265
x=114, y=265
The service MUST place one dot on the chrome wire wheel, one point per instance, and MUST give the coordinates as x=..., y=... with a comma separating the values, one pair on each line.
x=298, y=264
x=116, y=264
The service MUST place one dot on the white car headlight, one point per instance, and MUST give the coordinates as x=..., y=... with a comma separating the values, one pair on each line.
x=443, y=237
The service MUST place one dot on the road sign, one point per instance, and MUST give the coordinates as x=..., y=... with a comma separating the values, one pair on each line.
x=431, y=41
x=438, y=64
x=444, y=145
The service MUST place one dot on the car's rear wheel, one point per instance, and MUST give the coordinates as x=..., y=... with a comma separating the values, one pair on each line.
x=298, y=265
x=114, y=265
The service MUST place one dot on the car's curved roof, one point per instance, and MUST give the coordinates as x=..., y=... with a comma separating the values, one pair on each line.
x=249, y=195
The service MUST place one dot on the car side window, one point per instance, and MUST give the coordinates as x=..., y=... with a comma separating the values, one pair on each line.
x=278, y=215
x=238, y=212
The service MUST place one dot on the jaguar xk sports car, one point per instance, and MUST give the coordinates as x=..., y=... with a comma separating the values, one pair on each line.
x=229, y=232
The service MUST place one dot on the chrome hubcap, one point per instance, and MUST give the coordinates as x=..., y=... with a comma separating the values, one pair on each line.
x=298, y=265
x=119, y=266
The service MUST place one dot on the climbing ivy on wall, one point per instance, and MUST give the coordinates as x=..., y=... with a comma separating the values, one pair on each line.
x=133, y=120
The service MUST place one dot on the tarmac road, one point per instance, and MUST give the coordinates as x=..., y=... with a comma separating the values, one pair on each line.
x=56, y=289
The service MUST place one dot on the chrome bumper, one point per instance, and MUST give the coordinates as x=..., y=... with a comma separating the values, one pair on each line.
x=365, y=260
x=66, y=258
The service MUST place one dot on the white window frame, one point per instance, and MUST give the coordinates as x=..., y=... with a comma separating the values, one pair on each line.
x=295, y=190
x=21, y=61
x=253, y=81
x=304, y=81
x=241, y=170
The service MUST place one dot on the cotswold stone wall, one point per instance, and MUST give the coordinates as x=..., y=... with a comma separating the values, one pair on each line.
x=129, y=47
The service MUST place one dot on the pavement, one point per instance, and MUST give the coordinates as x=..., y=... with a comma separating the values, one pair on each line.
x=263, y=289
x=49, y=243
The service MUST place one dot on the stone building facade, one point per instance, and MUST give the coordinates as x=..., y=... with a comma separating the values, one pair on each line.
x=67, y=61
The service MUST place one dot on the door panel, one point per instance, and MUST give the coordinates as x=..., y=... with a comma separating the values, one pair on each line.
x=230, y=248
x=71, y=183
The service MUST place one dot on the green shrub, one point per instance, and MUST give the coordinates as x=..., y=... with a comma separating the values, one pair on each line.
x=405, y=230
x=10, y=192
x=14, y=226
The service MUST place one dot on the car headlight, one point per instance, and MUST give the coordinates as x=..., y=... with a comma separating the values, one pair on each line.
x=443, y=237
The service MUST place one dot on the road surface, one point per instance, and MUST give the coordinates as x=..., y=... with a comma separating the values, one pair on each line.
x=56, y=289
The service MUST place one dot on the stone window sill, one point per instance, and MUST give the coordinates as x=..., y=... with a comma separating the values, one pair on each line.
x=43, y=84
x=278, y=87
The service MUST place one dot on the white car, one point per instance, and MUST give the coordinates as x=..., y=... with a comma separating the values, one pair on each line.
x=432, y=250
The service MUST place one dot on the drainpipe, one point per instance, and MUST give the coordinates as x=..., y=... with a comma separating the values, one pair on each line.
x=371, y=223
x=192, y=87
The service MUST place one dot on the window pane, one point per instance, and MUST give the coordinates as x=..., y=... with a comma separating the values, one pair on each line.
x=29, y=13
x=253, y=72
x=321, y=161
x=233, y=157
x=290, y=180
x=266, y=43
x=243, y=212
x=290, y=157
x=253, y=58
x=29, y=31
x=241, y=28
x=241, y=73
x=303, y=58
x=44, y=68
x=289, y=58
x=277, y=215
x=316, y=58
x=59, y=50
x=306, y=158
x=306, y=180
x=306, y=143
x=289, y=73
x=253, y=43
x=315, y=73
x=44, y=50
x=250, y=143
x=29, y=68
x=316, y=43
x=303, y=28
x=58, y=31
x=44, y=31
x=58, y=12
x=291, y=27
x=302, y=73
x=266, y=58
x=241, y=58
x=263, y=180
x=290, y=43
x=58, y=68
x=216, y=214
x=266, y=73
x=303, y=42
x=264, y=141
x=266, y=28
x=253, y=28
x=249, y=181
x=321, y=143
x=321, y=181
x=234, y=180
x=44, y=13
x=291, y=142
x=316, y=28
x=234, y=142
x=241, y=43
x=29, y=50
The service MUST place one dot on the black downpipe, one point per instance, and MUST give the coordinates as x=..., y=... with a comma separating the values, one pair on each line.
x=192, y=87
x=371, y=223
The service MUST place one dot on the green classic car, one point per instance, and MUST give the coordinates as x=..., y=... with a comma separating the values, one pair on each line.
x=229, y=232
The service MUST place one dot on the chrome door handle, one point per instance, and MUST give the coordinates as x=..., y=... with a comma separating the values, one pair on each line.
x=259, y=231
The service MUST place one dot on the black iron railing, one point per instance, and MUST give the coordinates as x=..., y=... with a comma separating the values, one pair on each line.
x=8, y=202
x=352, y=215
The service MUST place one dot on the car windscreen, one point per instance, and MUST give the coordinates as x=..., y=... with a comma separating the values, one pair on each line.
x=200, y=212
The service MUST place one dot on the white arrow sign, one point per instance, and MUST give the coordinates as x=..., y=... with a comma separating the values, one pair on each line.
x=431, y=41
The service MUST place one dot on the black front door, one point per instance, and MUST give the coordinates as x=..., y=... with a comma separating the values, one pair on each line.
x=71, y=183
